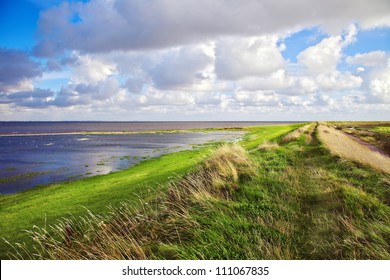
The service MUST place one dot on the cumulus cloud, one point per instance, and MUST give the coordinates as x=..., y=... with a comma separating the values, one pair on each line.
x=380, y=85
x=330, y=82
x=275, y=81
x=336, y=81
x=321, y=61
x=374, y=68
x=180, y=68
x=16, y=70
x=36, y=98
x=103, y=92
x=196, y=57
x=371, y=59
x=259, y=98
x=307, y=85
x=244, y=57
x=324, y=57
x=129, y=25
x=160, y=98
x=89, y=70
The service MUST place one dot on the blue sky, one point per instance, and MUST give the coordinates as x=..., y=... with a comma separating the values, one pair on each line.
x=192, y=60
x=19, y=20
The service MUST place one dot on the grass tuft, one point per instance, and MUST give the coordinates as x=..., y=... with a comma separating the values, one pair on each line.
x=296, y=201
x=294, y=135
x=267, y=145
x=130, y=232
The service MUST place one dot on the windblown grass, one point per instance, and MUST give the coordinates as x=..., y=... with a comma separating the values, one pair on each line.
x=267, y=145
x=141, y=232
x=294, y=135
x=45, y=205
x=342, y=145
x=296, y=201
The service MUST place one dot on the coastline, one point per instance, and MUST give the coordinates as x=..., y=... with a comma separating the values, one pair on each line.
x=82, y=128
x=293, y=197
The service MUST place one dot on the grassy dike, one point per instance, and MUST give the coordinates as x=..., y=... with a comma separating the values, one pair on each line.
x=276, y=195
x=46, y=204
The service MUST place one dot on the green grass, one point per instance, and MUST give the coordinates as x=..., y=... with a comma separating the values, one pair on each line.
x=46, y=204
x=303, y=204
x=292, y=201
x=383, y=129
x=258, y=135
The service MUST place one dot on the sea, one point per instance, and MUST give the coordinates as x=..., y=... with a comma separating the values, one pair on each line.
x=39, y=153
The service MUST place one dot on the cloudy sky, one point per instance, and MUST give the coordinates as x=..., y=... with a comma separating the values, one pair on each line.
x=195, y=60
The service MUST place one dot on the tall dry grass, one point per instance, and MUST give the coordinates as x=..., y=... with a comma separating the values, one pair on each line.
x=340, y=144
x=294, y=135
x=267, y=146
x=140, y=231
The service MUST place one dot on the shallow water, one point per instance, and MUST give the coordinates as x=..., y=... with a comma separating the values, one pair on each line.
x=66, y=127
x=28, y=161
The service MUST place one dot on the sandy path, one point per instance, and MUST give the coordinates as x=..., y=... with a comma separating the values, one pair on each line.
x=344, y=146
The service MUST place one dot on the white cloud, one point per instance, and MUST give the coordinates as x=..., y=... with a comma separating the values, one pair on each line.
x=336, y=81
x=130, y=25
x=259, y=98
x=21, y=85
x=324, y=83
x=380, y=85
x=360, y=70
x=89, y=70
x=321, y=73
x=161, y=98
x=324, y=57
x=275, y=81
x=243, y=57
x=376, y=74
x=175, y=58
x=180, y=67
x=307, y=85
x=371, y=59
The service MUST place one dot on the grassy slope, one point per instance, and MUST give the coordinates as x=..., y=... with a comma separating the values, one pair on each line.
x=258, y=135
x=47, y=204
x=303, y=204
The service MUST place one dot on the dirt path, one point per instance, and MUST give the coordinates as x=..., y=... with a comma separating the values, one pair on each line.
x=346, y=147
x=364, y=143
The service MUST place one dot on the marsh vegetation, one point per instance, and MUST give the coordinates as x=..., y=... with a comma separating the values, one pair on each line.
x=262, y=198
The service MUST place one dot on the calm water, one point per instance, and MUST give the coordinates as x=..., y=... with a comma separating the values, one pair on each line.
x=27, y=161
x=34, y=153
x=64, y=127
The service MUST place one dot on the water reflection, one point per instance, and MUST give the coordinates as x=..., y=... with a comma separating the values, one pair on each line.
x=28, y=161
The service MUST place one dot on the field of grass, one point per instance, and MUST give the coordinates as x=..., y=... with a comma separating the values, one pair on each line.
x=290, y=200
x=45, y=205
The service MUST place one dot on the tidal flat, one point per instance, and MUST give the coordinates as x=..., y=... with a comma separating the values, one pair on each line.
x=28, y=161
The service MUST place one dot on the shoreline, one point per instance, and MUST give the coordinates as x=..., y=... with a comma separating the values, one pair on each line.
x=297, y=190
x=205, y=130
x=126, y=151
x=133, y=128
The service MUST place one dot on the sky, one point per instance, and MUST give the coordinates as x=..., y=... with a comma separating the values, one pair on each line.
x=187, y=60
